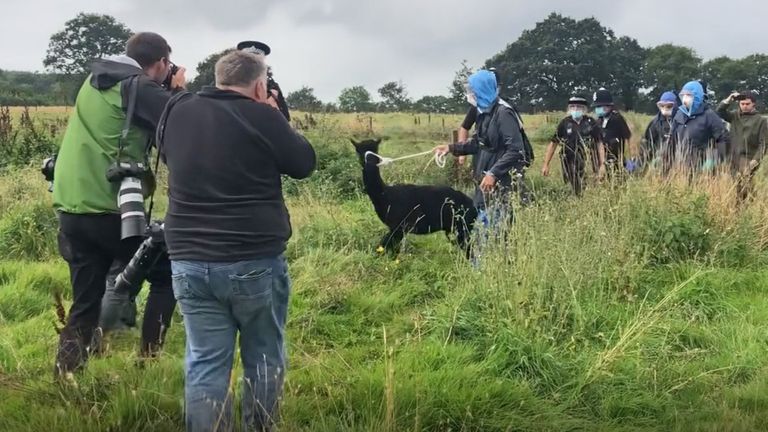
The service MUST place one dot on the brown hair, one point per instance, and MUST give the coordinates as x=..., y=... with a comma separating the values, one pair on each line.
x=147, y=48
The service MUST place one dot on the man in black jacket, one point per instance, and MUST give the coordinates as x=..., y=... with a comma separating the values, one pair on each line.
x=227, y=226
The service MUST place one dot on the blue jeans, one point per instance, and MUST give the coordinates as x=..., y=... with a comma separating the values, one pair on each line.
x=217, y=300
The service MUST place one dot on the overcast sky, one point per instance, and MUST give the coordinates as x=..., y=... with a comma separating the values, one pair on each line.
x=332, y=44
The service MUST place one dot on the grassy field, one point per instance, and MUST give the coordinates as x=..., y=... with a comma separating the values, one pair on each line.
x=642, y=306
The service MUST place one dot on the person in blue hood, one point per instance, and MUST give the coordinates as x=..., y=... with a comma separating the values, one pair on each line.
x=699, y=137
x=497, y=143
x=659, y=131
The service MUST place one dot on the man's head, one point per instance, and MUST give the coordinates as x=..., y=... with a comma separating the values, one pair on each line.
x=603, y=102
x=577, y=106
x=692, y=97
x=152, y=53
x=482, y=89
x=666, y=104
x=747, y=102
x=244, y=73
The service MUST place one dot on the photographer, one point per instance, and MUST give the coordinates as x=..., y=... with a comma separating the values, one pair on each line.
x=260, y=49
x=116, y=112
x=227, y=226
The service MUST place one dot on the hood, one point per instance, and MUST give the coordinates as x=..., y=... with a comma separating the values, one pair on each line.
x=107, y=72
x=695, y=88
x=483, y=84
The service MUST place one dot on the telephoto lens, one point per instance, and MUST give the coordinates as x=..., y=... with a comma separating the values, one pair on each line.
x=134, y=274
x=131, y=202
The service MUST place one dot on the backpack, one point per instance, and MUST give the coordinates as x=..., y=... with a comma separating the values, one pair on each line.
x=527, y=147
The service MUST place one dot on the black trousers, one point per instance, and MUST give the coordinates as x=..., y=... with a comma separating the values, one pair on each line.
x=573, y=165
x=91, y=245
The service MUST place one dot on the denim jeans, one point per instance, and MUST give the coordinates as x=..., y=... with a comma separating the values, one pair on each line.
x=217, y=300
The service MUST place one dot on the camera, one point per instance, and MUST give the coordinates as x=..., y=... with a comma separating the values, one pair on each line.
x=130, y=197
x=47, y=169
x=167, y=82
x=150, y=250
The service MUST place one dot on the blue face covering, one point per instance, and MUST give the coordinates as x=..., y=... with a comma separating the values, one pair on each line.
x=576, y=114
x=600, y=111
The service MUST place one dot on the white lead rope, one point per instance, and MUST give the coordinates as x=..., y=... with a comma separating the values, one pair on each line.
x=439, y=158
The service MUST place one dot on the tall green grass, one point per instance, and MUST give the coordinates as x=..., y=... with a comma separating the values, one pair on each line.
x=641, y=306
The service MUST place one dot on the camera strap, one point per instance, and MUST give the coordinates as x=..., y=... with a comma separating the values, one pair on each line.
x=133, y=88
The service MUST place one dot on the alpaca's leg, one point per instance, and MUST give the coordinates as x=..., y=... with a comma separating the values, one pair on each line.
x=463, y=236
x=392, y=239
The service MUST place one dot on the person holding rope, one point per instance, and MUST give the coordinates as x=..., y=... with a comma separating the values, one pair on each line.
x=497, y=145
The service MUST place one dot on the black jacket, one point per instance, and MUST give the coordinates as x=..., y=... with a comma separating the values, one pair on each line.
x=657, y=136
x=498, y=145
x=225, y=155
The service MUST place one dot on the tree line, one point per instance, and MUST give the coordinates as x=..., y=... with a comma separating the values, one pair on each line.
x=559, y=57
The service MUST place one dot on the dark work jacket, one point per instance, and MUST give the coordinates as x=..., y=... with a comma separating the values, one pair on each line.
x=225, y=155
x=693, y=135
x=657, y=136
x=498, y=146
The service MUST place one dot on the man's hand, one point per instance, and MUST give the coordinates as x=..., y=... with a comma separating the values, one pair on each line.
x=461, y=160
x=545, y=170
x=753, y=165
x=488, y=183
x=441, y=150
x=731, y=97
x=178, y=80
x=272, y=101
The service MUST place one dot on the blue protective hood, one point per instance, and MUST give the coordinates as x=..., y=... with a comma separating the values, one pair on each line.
x=483, y=84
x=695, y=88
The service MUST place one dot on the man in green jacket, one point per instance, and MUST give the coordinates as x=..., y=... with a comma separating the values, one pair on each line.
x=749, y=134
x=87, y=203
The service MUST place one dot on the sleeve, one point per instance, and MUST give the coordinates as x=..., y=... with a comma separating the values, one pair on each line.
x=470, y=119
x=294, y=154
x=762, y=140
x=559, y=134
x=625, y=132
x=724, y=112
x=282, y=104
x=597, y=132
x=467, y=148
x=512, y=145
x=150, y=101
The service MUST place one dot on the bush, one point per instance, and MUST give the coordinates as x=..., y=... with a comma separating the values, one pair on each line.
x=677, y=231
x=28, y=232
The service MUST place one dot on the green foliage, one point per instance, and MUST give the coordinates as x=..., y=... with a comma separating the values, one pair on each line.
x=27, y=141
x=28, y=232
x=589, y=317
x=395, y=97
x=675, y=231
x=85, y=37
x=355, y=99
x=206, y=74
x=304, y=99
x=562, y=56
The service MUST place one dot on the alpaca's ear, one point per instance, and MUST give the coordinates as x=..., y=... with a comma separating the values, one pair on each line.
x=354, y=143
x=377, y=141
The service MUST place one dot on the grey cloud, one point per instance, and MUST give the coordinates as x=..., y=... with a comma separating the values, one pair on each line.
x=330, y=44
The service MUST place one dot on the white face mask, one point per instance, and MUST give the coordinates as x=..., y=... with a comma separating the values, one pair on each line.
x=687, y=101
x=471, y=99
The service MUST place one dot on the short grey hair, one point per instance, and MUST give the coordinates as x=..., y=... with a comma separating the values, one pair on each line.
x=239, y=69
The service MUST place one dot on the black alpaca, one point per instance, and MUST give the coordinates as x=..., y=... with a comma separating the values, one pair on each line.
x=413, y=208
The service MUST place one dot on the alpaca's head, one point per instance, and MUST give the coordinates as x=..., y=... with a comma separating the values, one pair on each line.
x=365, y=146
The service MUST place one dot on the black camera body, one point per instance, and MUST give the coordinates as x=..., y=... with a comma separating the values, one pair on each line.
x=135, y=273
x=167, y=82
x=120, y=170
